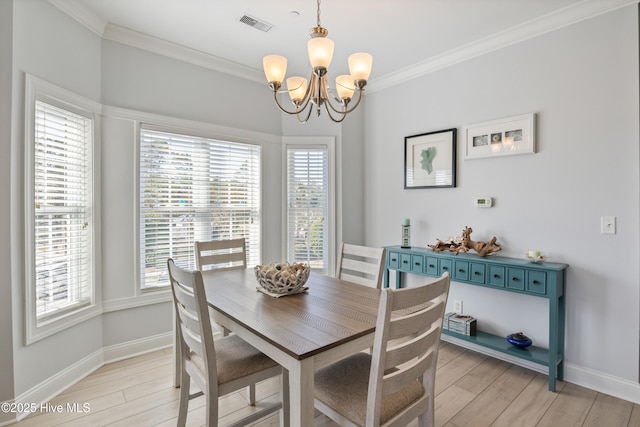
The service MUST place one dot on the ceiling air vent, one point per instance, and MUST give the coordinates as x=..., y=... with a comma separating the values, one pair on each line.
x=256, y=23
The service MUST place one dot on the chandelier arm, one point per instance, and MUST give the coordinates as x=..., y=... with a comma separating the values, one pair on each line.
x=309, y=110
x=345, y=110
x=353, y=107
x=307, y=94
x=343, y=115
x=325, y=94
x=275, y=98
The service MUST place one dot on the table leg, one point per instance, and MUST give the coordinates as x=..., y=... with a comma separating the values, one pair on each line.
x=553, y=335
x=302, y=390
x=285, y=419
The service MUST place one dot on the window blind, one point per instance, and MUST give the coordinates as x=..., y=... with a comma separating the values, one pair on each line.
x=194, y=189
x=62, y=209
x=308, y=199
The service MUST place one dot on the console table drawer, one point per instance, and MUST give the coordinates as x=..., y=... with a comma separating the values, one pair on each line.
x=515, y=278
x=496, y=276
x=416, y=263
x=477, y=273
x=460, y=270
x=394, y=260
x=446, y=266
x=537, y=282
x=405, y=262
x=431, y=267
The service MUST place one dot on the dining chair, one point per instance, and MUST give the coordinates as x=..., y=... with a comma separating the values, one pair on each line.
x=360, y=264
x=395, y=383
x=221, y=254
x=218, y=367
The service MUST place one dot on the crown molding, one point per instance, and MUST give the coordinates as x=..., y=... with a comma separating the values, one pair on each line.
x=81, y=14
x=564, y=17
x=569, y=15
x=162, y=47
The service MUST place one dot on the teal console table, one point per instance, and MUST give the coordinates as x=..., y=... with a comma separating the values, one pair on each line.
x=543, y=280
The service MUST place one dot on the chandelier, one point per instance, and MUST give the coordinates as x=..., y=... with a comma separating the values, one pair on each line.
x=307, y=97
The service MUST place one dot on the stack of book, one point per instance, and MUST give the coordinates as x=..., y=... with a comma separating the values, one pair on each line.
x=460, y=323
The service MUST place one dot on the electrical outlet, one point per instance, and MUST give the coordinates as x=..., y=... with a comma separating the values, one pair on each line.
x=457, y=306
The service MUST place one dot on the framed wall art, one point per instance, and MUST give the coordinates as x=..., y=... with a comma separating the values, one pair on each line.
x=430, y=160
x=503, y=137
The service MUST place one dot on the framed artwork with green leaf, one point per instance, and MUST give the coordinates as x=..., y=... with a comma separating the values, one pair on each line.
x=430, y=160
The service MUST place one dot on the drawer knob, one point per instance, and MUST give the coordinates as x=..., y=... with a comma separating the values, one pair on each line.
x=535, y=282
x=477, y=273
x=460, y=270
x=394, y=259
x=431, y=266
x=405, y=262
x=445, y=268
x=496, y=276
x=514, y=279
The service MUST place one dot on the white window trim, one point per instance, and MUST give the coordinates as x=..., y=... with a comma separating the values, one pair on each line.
x=328, y=142
x=173, y=125
x=38, y=89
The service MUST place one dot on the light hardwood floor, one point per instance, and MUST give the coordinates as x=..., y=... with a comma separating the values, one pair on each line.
x=471, y=390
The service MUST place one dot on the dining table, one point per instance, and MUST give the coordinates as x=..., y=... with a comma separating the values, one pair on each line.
x=303, y=332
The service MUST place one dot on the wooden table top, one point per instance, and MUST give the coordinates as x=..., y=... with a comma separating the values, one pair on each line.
x=330, y=313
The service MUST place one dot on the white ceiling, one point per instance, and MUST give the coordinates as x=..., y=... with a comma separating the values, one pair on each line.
x=405, y=37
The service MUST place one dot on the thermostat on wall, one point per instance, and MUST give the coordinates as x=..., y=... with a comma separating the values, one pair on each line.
x=483, y=202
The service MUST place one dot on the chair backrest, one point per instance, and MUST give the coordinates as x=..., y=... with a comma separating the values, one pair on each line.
x=360, y=264
x=405, y=349
x=221, y=254
x=193, y=324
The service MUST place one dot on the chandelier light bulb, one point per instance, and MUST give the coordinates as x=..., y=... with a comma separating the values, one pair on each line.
x=360, y=65
x=275, y=68
x=345, y=86
x=297, y=88
x=320, y=51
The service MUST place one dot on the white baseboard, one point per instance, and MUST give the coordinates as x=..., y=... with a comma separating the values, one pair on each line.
x=116, y=352
x=51, y=387
x=585, y=377
x=601, y=382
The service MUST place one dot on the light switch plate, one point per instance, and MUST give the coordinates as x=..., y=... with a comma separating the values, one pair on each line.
x=608, y=225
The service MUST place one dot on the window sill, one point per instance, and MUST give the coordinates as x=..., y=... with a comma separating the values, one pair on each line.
x=148, y=298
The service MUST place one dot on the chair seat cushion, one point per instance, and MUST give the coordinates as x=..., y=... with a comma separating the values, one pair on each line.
x=235, y=358
x=344, y=386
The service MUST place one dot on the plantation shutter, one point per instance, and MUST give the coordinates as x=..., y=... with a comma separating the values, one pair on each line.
x=62, y=246
x=308, y=200
x=194, y=189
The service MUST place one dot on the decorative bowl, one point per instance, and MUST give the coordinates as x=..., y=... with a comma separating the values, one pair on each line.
x=282, y=278
x=519, y=340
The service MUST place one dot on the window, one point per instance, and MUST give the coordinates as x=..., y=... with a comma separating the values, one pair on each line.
x=309, y=218
x=194, y=189
x=59, y=209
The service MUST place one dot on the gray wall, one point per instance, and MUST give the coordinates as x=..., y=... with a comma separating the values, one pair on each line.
x=582, y=81
x=6, y=333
